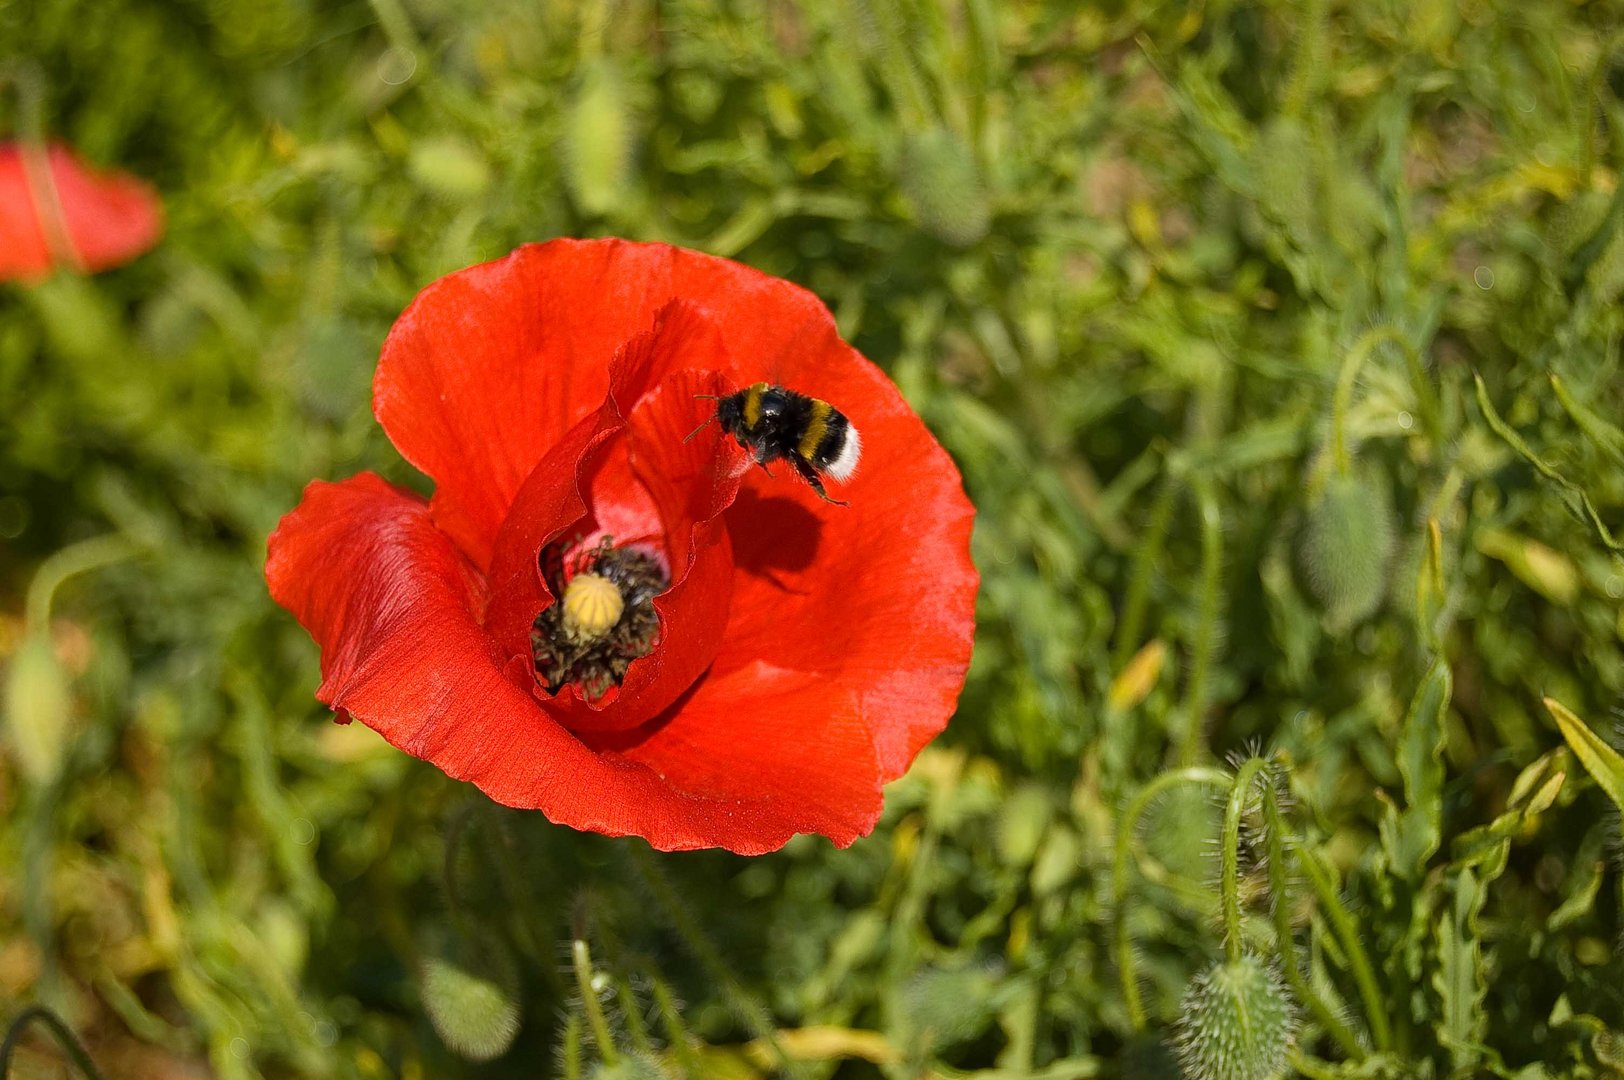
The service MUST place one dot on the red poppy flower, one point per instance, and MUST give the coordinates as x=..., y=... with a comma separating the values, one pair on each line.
x=735, y=660
x=55, y=211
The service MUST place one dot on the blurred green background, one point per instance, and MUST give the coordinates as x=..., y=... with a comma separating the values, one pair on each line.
x=1195, y=294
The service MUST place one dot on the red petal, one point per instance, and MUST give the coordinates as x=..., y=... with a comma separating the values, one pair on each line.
x=23, y=250
x=875, y=602
x=689, y=483
x=110, y=217
x=393, y=605
x=775, y=735
x=490, y=366
x=850, y=627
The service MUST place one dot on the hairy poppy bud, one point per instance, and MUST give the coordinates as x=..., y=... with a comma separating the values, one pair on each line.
x=943, y=186
x=38, y=707
x=598, y=140
x=1345, y=544
x=1022, y=823
x=947, y=1007
x=1179, y=832
x=450, y=168
x=471, y=994
x=1235, y=1023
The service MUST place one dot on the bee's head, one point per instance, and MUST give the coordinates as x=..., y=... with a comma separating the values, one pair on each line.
x=730, y=413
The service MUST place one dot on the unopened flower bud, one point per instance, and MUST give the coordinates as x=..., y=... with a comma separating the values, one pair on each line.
x=39, y=708
x=599, y=140
x=1235, y=1023
x=1345, y=546
x=943, y=186
x=470, y=992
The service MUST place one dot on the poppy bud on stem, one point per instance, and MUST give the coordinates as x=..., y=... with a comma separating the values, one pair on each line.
x=470, y=991
x=1342, y=396
x=38, y=699
x=1127, y=830
x=1235, y=1022
x=1346, y=544
x=1261, y=773
x=599, y=140
x=943, y=186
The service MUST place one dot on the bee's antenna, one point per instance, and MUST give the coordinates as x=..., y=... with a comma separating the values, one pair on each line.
x=708, y=397
x=700, y=428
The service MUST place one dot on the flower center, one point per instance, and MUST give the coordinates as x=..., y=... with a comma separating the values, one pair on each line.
x=592, y=607
x=603, y=620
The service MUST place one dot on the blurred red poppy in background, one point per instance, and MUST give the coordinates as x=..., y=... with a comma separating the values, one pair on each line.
x=733, y=660
x=55, y=212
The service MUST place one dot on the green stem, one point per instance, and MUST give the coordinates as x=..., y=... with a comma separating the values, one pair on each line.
x=1312, y=1068
x=752, y=1012
x=571, y=1048
x=1426, y=400
x=39, y=836
x=456, y=831
x=39, y=857
x=1206, y=638
x=1285, y=941
x=897, y=69
x=403, y=40
x=25, y=76
x=1593, y=98
x=636, y=1027
x=1119, y=873
x=594, y=21
x=53, y=1023
x=1231, y=872
x=676, y=1032
x=582, y=957
x=72, y=560
x=1131, y=625
x=1319, y=876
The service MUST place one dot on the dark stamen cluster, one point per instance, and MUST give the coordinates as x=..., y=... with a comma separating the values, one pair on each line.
x=595, y=662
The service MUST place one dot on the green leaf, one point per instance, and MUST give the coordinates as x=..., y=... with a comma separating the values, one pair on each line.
x=1572, y=494
x=1420, y=763
x=1605, y=765
x=1581, y=897
x=1601, y=431
x=1459, y=979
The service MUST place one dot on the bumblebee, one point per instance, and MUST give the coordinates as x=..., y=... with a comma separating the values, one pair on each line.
x=775, y=423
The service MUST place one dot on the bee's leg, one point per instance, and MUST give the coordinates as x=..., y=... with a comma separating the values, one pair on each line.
x=810, y=475
x=761, y=459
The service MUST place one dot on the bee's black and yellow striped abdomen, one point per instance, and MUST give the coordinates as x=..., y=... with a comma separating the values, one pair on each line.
x=775, y=423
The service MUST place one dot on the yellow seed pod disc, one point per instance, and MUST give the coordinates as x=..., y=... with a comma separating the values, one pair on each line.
x=592, y=606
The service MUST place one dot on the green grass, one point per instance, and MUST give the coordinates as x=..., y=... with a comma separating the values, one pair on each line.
x=1190, y=296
